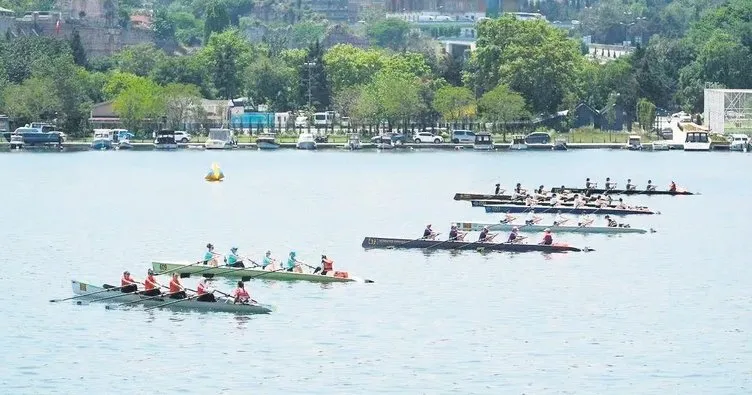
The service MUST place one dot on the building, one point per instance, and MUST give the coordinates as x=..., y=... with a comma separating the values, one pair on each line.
x=213, y=113
x=728, y=111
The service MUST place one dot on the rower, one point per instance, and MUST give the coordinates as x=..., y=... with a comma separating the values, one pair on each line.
x=610, y=222
x=530, y=201
x=650, y=186
x=559, y=220
x=209, y=255
x=485, y=237
x=498, y=189
x=268, y=261
x=600, y=202
x=127, y=283
x=672, y=187
x=327, y=264
x=578, y=201
x=293, y=264
x=555, y=201
x=176, y=289
x=585, y=220
x=456, y=235
x=151, y=286
x=621, y=204
x=610, y=185
x=233, y=260
x=590, y=185
x=514, y=237
x=531, y=218
x=548, y=239
x=428, y=233
x=204, y=293
x=240, y=294
x=630, y=186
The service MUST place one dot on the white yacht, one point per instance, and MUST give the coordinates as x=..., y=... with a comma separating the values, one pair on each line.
x=738, y=142
x=306, y=141
x=219, y=139
x=697, y=140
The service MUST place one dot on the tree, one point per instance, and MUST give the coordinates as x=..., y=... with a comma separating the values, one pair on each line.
x=31, y=100
x=502, y=105
x=313, y=72
x=216, y=19
x=180, y=101
x=391, y=96
x=77, y=49
x=454, y=103
x=646, y=114
x=140, y=59
x=225, y=57
x=183, y=70
x=164, y=27
x=271, y=83
x=348, y=66
x=139, y=102
x=388, y=33
x=119, y=81
x=71, y=89
x=346, y=101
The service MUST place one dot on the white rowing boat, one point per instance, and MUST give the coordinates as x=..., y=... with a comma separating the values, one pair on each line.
x=222, y=304
x=477, y=227
x=247, y=273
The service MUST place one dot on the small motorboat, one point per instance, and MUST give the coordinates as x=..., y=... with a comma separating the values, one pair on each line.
x=16, y=141
x=483, y=142
x=518, y=143
x=267, y=142
x=634, y=143
x=165, y=140
x=560, y=145
x=220, y=139
x=306, y=141
x=102, y=139
x=353, y=142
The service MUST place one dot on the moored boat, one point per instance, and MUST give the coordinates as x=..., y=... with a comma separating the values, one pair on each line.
x=165, y=140
x=220, y=139
x=306, y=141
x=83, y=290
x=518, y=143
x=353, y=142
x=477, y=227
x=267, y=142
x=539, y=209
x=622, y=191
x=483, y=142
x=246, y=274
x=380, y=242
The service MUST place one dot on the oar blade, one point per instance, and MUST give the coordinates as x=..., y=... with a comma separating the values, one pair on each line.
x=245, y=278
x=185, y=275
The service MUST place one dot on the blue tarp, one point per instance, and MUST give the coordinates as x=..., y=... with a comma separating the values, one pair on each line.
x=252, y=120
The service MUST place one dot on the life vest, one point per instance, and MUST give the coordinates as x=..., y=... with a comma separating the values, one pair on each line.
x=149, y=283
x=125, y=281
x=242, y=294
x=200, y=290
x=328, y=264
x=174, y=286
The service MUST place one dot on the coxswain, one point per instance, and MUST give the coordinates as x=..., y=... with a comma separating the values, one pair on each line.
x=650, y=186
x=327, y=265
x=176, y=289
x=233, y=260
x=293, y=263
x=548, y=239
x=590, y=185
x=240, y=294
x=531, y=219
x=456, y=235
x=151, y=286
x=209, y=255
x=205, y=294
x=610, y=185
x=428, y=233
x=672, y=187
x=559, y=220
x=498, y=189
x=630, y=186
x=610, y=222
x=514, y=237
x=268, y=261
x=585, y=220
x=127, y=283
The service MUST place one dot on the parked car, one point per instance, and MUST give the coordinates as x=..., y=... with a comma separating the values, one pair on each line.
x=397, y=138
x=463, y=136
x=182, y=137
x=538, y=138
x=425, y=137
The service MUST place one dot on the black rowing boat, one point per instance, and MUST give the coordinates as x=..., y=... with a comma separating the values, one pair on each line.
x=380, y=242
x=621, y=191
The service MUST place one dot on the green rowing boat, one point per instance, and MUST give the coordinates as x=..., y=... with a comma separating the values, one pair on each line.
x=246, y=274
x=477, y=227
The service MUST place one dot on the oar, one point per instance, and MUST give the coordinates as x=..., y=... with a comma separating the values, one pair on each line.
x=408, y=242
x=259, y=275
x=173, y=302
x=87, y=294
x=178, y=268
x=250, y=260
x=439, y=243
x=108, y=307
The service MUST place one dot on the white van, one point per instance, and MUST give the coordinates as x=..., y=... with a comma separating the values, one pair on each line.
x=323, y=118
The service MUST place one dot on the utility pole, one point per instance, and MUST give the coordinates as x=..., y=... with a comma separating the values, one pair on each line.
x=310, y=71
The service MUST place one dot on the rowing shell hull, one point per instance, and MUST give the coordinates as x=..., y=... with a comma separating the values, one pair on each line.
x=621, y=191
x=477, y=227
x=480, y=196
x=379, y=242
x=222, y=305
x=512, y=208
x=246, y=273
x=484, y=203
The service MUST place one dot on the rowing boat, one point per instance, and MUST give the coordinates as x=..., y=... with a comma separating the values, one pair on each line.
x=546, y=203
x=248, y=273
x=477, y=227
x=622, y=191
x=380, y=242
x=222, y=305
x=539, y=209
x=480, y=196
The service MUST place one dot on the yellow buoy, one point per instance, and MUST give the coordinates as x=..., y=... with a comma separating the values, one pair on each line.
x=215, y=174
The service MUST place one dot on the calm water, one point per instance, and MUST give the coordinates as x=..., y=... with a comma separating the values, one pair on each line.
x=661, y=313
